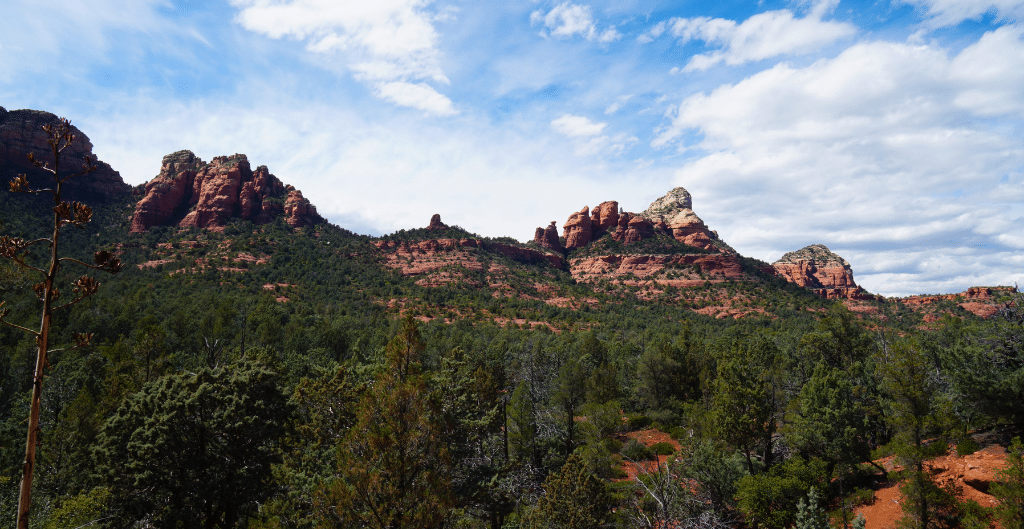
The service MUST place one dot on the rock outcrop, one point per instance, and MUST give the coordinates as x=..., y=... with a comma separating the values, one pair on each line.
x=548, y=238
x=21, y=132
x=436, y=224
x=670, y=215
x=189, y=192
x=674, y=213
x=578, y=230
x=817, y=268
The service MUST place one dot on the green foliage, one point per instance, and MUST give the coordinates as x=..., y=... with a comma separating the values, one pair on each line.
x=80, y=511
x=966, y=446
x=1008, y=488
x=637, y=451
x=663, y=449
x=194, y=449
x=746, y=403
x=809, y=514
x=393, y=465
x=573, y=499
x=770, y=499
x=715, y=474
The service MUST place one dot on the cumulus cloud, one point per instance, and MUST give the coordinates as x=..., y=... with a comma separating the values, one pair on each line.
x=393, y=43
x=567, y=20
x=942, y=13
x=761, y=36
x=885, y=137
x=577, y=126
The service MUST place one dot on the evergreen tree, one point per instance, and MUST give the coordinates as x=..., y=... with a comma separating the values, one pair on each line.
x=194, y=450
x=809, y=514
x=573, y=499
x=393, y=465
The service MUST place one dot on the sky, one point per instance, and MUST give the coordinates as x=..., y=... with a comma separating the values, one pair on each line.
x=889, y=131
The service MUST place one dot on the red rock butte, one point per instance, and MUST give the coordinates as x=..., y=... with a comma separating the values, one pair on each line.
x=817, y=268
x=190, y=192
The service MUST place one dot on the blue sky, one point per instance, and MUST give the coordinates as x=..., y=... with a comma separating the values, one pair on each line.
x=888, y=131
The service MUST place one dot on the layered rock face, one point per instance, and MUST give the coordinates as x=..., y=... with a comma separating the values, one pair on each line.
x=817, y=268
x=674, y=212
x=21, y=132
x=189, y=192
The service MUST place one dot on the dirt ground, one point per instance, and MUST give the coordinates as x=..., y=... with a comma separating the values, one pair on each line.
x=972, y=473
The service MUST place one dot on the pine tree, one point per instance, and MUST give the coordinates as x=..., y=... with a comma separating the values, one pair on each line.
x=809, y=514
x=573, y=499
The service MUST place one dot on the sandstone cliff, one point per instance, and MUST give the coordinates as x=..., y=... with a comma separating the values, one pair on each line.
x=191, y=192
x=817, y=268
x=21, y=132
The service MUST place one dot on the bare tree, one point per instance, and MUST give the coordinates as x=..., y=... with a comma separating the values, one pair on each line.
x=60, y=136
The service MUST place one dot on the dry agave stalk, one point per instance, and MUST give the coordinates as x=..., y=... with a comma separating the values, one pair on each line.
x=60, y=136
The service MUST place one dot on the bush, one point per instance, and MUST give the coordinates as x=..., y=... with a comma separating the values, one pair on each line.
x=612, y=444
x=637, y=451
x=678, y=433
x=663, y=449
x=966, y=446
x=637, y=422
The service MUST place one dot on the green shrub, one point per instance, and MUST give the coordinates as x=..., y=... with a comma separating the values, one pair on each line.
x=612, y=444
x=966, y=446
x=678, y=433
x=637, y=451
x=637, y=422
x=663, y=449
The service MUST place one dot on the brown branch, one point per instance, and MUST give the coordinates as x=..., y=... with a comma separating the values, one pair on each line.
x=5, y=322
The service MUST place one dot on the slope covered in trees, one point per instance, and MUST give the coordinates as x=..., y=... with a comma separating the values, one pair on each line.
x=268, y=376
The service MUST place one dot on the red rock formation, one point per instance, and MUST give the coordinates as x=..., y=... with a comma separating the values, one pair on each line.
x=300, y=212
x=817, y=268
x=548, y=238
x=674, y=213
x=604, y=217
x=578, y=230
x=190, y=192
x=21, y=132
x=216, y=191
x=436, y=224
x=632, y=228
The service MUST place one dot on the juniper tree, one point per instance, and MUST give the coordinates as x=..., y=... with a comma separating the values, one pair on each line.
x=59, y=136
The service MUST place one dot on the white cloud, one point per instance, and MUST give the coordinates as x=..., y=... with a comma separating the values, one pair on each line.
x=577, y=126
x=418, y=95
x=389, y=42
x=567, y=20
x=887, y=145
x=761, y=36
x=942, y=13
x=588, y=137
